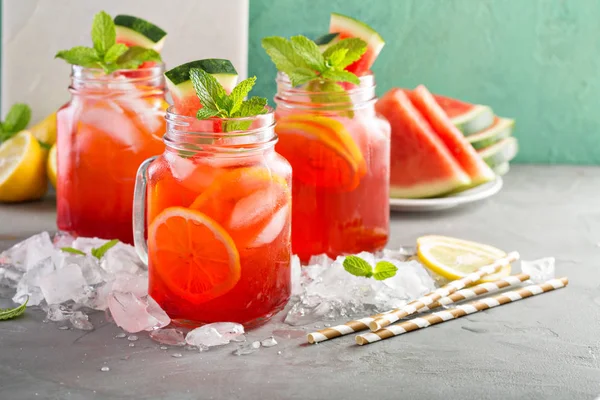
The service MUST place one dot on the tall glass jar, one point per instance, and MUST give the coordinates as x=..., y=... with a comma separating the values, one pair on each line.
x=339, y=149
x=109, y=127
x=218, y=210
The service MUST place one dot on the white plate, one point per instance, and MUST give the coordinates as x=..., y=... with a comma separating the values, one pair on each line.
x=440, y=203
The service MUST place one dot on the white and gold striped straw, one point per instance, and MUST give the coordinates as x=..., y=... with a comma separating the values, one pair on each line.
x=464, y=294
x=444, y=291
x=461, y=311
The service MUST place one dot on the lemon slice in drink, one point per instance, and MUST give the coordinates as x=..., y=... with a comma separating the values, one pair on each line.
x=22, y=169
x=455, y=258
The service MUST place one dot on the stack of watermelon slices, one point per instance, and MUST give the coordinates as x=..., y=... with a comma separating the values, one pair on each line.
x=441, y=145
x=489, y=134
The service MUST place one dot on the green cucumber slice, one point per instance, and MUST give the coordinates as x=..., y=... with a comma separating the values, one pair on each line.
x=501, y=152
x=134, y=31
x=501, y=129
x=479, y=118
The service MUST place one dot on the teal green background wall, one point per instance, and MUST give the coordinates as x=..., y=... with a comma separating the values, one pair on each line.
x=537, y=61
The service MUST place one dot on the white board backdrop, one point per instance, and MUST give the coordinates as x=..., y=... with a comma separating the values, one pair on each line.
x=34, y=30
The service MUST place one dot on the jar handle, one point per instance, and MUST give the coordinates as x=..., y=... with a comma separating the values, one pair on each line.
x=139, y=210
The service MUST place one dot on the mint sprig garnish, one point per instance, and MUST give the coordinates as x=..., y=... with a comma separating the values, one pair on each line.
x=217, y=103
x=9, y=313
x=107, y=54
x=15, y=121
x=359, y=267
x=302, y=61
x=97, y=252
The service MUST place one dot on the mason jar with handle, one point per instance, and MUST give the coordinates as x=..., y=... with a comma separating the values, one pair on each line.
x=213, y=220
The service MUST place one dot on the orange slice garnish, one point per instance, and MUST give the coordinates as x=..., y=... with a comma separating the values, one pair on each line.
x=193, y=255
x=321, y=150
x=247, y=201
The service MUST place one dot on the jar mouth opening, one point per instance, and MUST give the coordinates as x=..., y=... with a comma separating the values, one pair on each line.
x=98, y=75
x=367, y=82
x=205, y=126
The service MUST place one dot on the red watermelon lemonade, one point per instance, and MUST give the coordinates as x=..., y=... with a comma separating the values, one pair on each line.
x=113, y=122
x=336, y=143
x=217, y=203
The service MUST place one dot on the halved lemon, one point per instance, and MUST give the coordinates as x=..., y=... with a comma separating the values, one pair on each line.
x=22, y=169
x=45, y=130
x=193, y=255
x=455, y=258
x=51, y=166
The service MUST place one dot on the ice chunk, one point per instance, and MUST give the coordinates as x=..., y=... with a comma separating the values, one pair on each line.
x=26, y=254
x=253, y=208
x=273, y=228
x=131, y=313
x=28, y=286
x=63, y=284
x=90, y=268
x=127, y=282
x=87, y=244
x=296, y=271
x=321, y=260
x=247, y=348
x=539, y=270
x=171, y=337
x=112, y=120
x=62, y=239
x=122, y=258
x=81, y=321
x=158, y=313
x=57, y=313
x=214, y=334
x=268, y=342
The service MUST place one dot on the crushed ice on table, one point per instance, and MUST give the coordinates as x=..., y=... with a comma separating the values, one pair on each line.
x=170, y=336
x=539, y=270
x=214, y=334
x=67, y=285
x=268, y=342
x=329, y=292
x=247, y=348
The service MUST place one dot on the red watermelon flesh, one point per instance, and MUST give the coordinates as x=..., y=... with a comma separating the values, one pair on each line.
x=453, y=107
x=421, y=165
x=454, y=140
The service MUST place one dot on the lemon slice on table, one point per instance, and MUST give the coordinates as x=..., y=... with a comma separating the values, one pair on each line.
x=455, y=258
x=22, y=169
x=51, y=166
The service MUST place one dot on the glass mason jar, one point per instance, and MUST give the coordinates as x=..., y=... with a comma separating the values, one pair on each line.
x=339, y=149
x=217, y=205
x=109, y=127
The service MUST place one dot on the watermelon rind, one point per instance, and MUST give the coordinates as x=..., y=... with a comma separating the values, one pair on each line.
x=139, y=32
x=360, y=30
x=498, y=131
x=501, y=169
x=501, y=152
x=324, y=41
x=180, y=85
x=480, y=117
x=428, y=189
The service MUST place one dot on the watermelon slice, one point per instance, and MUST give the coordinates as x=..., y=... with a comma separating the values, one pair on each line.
x=501, y=152
x=501, y=129
x=469, y=118
x=327, y=40
x=348, y=27
x=184, y=96
x=454, y=140
x=134, y=31
x=501, y=169
x=421, y=164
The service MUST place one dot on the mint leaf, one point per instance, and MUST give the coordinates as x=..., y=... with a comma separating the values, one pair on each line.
x=104, y=34
x=337, y=57
x=17, y=118
x=44, y=145
x=115, y=51
x=207, y=88
x=358, y=267
x=300, y=76
x=309, y=52
x=100, y=251
x=206, y=113
x=239, y=92
x=356, y=48
x=72, y=251
x=136, y=56
x=9, y=313
x=251, y=107
x=283, y=54
x=384, y=270
x=79, y=55
x=341, y=76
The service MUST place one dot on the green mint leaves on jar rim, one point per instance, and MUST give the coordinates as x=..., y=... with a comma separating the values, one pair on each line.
x=107, y=54
x=302, y=61
x=15, y=121
x=359, y=267
x=216, y=103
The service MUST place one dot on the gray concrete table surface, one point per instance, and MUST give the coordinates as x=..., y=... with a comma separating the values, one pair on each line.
x=547, y=347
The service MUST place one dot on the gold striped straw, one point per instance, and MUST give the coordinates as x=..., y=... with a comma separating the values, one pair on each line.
x=464, y=294
x=444, y=291
x=461, y=311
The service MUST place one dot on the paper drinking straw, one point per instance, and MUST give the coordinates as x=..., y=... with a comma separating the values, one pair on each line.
x=464, y=294
x=461, y=311
x=414, y=306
